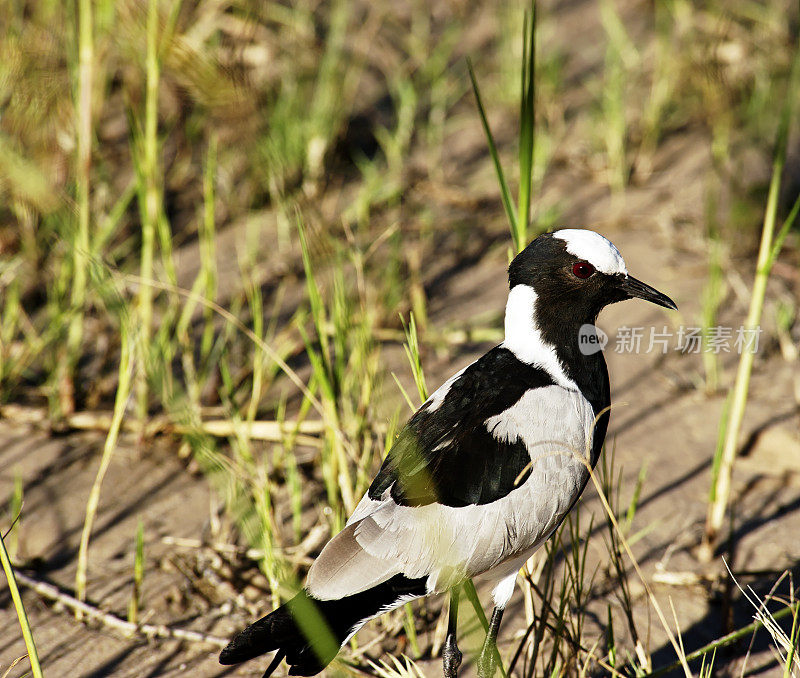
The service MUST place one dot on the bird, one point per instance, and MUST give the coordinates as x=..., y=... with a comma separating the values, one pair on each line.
x=480, y=476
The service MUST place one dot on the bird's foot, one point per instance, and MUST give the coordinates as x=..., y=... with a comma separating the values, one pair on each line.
x=451, y=657
x=487, y=663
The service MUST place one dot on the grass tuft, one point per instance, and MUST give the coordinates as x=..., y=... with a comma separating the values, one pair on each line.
x=767, y=253
x=518, y=220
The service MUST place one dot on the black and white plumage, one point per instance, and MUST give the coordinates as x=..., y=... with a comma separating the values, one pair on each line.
x=481, y=475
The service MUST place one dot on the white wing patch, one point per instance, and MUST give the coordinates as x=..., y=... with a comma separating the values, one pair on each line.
x=445, y=543
x=594, y=248
x=524, y=421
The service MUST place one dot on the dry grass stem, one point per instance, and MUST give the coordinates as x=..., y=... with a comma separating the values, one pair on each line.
x=126, y=367
x=83, y=610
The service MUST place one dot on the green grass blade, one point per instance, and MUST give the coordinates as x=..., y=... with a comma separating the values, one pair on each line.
x=151, y=206
x=138, y=575
x=124, y=388
x=717, y=459
x=82, y=243
x=793, y=640
x=785, y=228
x=472, y=595
x=15, y=512
x=610, y=642
x=411, y=630
x=741, y=387
x=404, y=393
x=27, y=634
x=505, y=193
x=634, y=503
x=412, y=353
x=526, y=125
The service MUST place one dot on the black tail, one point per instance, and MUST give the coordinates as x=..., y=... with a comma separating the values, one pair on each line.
x=309, y=632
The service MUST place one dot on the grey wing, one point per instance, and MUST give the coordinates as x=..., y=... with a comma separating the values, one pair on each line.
x=447, y=543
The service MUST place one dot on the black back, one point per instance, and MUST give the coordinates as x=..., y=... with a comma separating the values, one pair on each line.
x=447, y=455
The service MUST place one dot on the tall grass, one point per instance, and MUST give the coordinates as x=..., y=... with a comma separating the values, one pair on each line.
x=518, y=220
x=663, y=81
x=82, y=245
x=150, y=206
x=328, y=361
x=19, y=607
x=767, y=253
x=125, y=374
x=620, y=59
x=527, y=121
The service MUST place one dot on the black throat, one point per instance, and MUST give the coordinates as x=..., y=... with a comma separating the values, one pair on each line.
x=589, y=372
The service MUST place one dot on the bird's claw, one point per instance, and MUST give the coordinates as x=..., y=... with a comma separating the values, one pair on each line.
x=451, y=657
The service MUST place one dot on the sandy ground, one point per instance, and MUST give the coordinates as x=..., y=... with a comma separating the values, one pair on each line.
x=662, y=422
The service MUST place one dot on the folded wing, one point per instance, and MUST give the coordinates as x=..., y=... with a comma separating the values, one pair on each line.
x=482, y=473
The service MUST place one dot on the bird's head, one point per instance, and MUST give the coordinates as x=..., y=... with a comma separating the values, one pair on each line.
x=575, y=273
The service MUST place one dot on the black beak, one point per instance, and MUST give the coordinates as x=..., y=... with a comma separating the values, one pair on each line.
x=636, y=288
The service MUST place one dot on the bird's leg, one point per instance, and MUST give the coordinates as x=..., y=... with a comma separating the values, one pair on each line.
x=487, y=662
x=277, y=659
x=451, y=655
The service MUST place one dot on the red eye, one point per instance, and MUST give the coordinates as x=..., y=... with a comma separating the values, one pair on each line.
x=582, y=270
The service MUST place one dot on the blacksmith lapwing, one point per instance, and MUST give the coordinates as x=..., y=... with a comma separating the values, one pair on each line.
x=480, y=476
